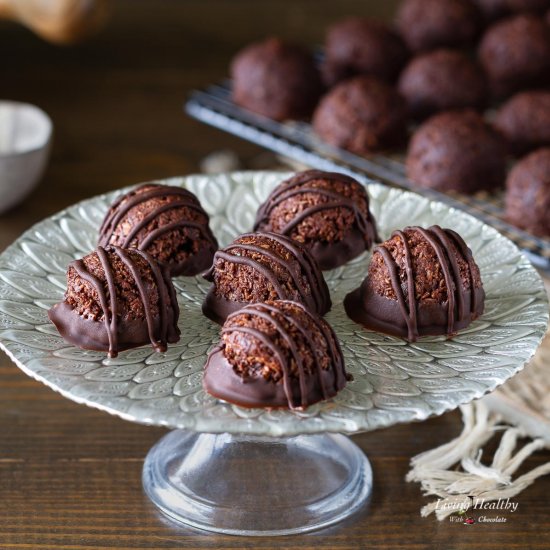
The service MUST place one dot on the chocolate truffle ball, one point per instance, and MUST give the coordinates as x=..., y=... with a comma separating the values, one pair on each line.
x=494, y=9
x=276, y=79
x=528, y=193
x=276, y=354
x=442, y=80
x=456, y=151
x=534, y=6
x=420, y=282
x=430, y=24
x=524, y=120
x=515, y=54
x=262, y=266
x=327, y=212
x=363, y=114
x=362, y=46
x=167, y=222
x=116, y=300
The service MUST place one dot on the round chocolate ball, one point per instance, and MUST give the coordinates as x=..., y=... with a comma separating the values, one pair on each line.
x=358, y=45
x=515, y=54
x=456, y=151
x=442, y=80
x=117, y=299
x=420, y=282
x=263, y=266
x=362, y=115
x=528, y=193
x=276, y=79
x=167, y=222
x=430, y=24
x=326, y=212
x=524, y=120
x=494, y=9
x=276, y=354
x=534, y=6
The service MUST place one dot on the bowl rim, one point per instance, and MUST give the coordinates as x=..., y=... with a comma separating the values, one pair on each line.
x=45, y=117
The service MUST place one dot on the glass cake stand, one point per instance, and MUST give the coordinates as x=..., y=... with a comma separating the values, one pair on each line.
x=254, y=471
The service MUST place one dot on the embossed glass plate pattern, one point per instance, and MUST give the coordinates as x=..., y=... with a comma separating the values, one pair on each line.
x=296, y=139
x=394, y=381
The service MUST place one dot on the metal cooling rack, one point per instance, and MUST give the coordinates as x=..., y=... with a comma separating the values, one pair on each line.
x=296, y=140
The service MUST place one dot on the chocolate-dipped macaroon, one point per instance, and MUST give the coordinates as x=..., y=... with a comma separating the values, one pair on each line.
x=515, y=53
x=442, y=80
x=165, y=221
x=528, y=193
x=276, y=79
x=262, y=266
x=357, y=45
x=116, y=300
x=276, y=354
x=327, y=212
x=456, y=151
x=430, y=24
x=362, y=114
x=420, y=282
x=524, y=120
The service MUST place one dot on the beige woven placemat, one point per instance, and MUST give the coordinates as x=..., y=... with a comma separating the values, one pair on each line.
x=518, y=412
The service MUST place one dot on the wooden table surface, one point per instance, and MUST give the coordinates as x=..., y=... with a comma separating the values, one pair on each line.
x=69, y=475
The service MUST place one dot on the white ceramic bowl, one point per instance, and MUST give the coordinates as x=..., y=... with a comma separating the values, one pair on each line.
x=25, y=137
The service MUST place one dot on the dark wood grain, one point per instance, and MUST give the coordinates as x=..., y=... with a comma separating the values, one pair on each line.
x=70, y=477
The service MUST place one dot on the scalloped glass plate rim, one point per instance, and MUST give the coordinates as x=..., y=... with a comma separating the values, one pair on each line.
x=378, y=407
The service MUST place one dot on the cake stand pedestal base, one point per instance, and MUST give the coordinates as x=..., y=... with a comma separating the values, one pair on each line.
x=245, y=485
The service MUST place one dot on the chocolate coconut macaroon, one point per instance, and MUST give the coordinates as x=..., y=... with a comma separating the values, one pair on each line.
x=430, y=24
x=515, y=53
x=327, y=212
x=116, y=300
x=358, y=45
x=166, y=222
x=442, y=80
x=420, y=282
x=494, y=9
x=528, y=193
x=524, y=120
x=276, y=79
x=262, y=266
x=362, y=114
x=457, y=151
x=276, y=354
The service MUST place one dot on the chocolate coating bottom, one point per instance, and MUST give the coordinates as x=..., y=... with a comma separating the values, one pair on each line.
x=92, y=335
x=194, y=265
x=381, y=314
x=338, y=253
x=221, y=381
x=217, y=309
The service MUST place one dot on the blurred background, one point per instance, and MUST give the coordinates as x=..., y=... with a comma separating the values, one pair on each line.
x=116, y=96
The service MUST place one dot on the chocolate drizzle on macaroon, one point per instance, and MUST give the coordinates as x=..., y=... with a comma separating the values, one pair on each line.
x=420, y=282
x=275, y=354
x=262, y=266
x=325, y=211
x=167, y=222
x=115, y=300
